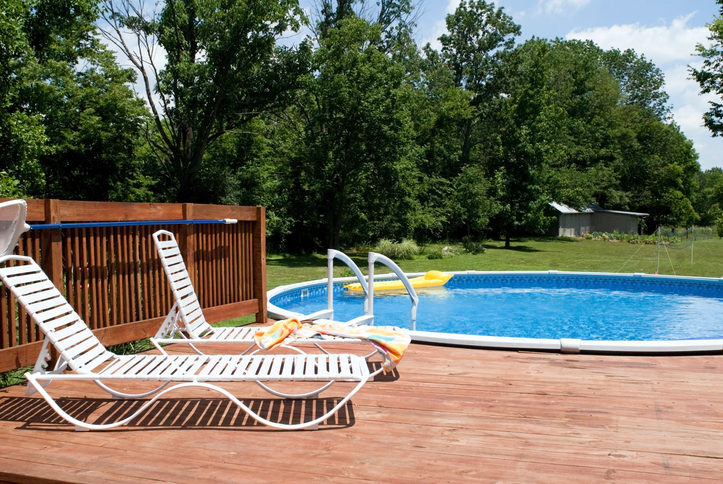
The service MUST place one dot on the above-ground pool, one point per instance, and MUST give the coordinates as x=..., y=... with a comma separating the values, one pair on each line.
x=539, y=310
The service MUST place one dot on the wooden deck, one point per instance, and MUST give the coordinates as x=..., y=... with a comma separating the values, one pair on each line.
x=449, y=415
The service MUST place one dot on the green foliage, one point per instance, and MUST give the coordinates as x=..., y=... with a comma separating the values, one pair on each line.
x=618, y=237
x=223, y=70
x=710, y=76
x=353, y=165
x=69, y=123
x=471, y=204
x=710, y=195
x=641, y=82
x=131, y=347
x=14, y=377
x=350, y=137
x=405, y=249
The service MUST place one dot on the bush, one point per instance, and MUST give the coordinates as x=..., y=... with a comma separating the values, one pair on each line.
x=437, y=254
x=450, y=251
x=405, y=249
x=472, y=246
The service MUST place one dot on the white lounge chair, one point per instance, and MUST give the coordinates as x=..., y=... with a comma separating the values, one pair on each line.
x=79, y=350
x=186, y=319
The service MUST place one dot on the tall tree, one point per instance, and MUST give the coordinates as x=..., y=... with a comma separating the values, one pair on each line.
x=526, y=137
x=477, y=36
x=351, y=176
x=710, y=76
x=641, y=82
x=222, y=70
x=74, y=119
x=22, y=134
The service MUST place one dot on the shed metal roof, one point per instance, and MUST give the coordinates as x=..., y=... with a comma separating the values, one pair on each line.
x=562, y=208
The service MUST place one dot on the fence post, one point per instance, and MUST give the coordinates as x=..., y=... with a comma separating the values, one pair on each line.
x=187, y=243
x=51, y=248
x=51, y=245
x=260, y=263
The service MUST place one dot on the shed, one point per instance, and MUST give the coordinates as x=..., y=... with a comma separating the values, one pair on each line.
x=576, y=223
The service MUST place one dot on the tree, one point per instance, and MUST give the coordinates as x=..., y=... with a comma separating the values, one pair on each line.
x=69, y=121
x=710, y=76
x=223, y=69
x=22, y=134
x=709, y=201
x=477, y=36
x=352, y=175
x=472, y=204
x=525, y=138
x=658, y=170
x=641, y=82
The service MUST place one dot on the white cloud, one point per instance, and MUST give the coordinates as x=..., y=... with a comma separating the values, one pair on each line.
x=671, y=48
x=439, y=28
x=452, y=5
x=561, y=6
x=661, y=44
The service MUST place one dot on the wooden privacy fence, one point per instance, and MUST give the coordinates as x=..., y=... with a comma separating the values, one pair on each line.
x=113, y=278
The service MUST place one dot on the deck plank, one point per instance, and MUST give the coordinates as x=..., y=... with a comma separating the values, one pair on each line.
x=449, y=414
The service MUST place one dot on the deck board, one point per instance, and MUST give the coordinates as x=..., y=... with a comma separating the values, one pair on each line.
x=448, y=415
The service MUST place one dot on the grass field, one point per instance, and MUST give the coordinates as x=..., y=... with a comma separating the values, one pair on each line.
x=527, y=254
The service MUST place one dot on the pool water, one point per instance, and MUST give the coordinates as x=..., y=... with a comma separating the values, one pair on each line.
x=551, y=306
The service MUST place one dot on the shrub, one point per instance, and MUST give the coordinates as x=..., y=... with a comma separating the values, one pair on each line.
x=437, y=254
x=472, y=246
x=450, y=251
x=405, y=249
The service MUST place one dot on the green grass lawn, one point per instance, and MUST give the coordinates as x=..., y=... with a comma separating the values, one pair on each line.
x=526, y=254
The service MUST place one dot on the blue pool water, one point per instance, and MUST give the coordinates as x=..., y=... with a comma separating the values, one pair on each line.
x=588, y=307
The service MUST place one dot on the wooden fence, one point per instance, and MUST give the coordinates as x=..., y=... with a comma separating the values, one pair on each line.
x=112, y=275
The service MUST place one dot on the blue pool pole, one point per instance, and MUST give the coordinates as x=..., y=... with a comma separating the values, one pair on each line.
x=132, y=223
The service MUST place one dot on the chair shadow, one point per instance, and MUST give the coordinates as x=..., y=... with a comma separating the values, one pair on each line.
x=176, y=413
x=388, y=376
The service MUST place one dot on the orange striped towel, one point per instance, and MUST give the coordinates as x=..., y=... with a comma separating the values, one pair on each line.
x=270, y=336
x=390, y=342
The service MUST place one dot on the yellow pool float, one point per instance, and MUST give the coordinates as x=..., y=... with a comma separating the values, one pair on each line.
x=430, y=279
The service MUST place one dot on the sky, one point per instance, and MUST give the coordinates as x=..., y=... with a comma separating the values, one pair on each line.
x=665, y=31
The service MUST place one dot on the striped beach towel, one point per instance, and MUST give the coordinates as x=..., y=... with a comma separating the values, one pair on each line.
x=390, y=342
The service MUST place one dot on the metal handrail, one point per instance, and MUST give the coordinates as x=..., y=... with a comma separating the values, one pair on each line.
x=375, y=257
x=332, y=254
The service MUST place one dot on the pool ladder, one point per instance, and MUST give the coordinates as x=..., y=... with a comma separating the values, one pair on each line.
x=368, y=288
x=375, y=257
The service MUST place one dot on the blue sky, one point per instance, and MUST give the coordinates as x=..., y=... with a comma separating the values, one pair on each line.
x=665, y=31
